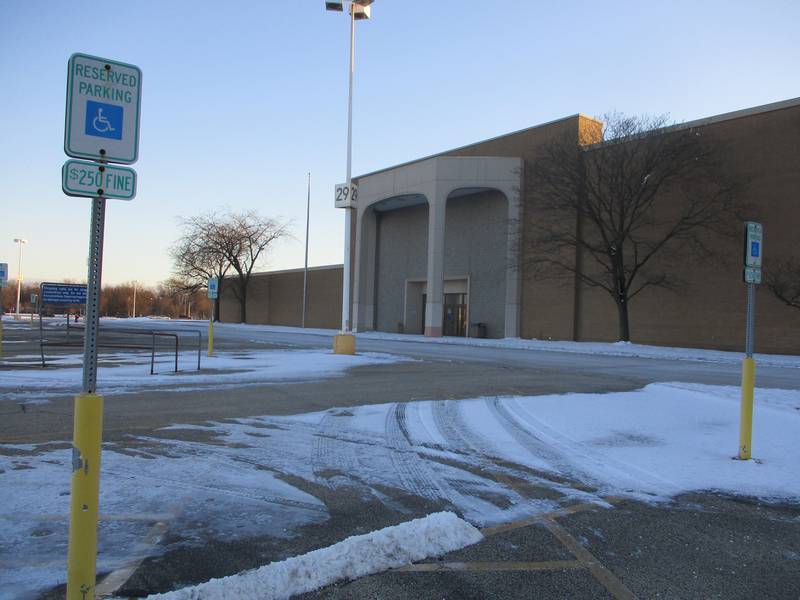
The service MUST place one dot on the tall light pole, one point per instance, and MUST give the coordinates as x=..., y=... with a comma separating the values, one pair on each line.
x=305, y=268
x=134, y=300
x=345, y=342
x=21, y=242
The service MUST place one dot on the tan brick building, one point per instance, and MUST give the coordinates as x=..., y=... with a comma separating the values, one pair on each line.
x=439, y=247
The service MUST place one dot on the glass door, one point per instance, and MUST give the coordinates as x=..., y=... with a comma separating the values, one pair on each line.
x=455, y=315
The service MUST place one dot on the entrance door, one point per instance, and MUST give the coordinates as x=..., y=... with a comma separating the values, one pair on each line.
x=455, y=315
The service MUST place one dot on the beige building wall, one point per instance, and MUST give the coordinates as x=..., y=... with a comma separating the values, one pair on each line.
x=276, y=298
x=762, y=147
x=547, y=309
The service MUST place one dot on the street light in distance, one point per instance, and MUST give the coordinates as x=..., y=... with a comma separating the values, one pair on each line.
x=21, y=242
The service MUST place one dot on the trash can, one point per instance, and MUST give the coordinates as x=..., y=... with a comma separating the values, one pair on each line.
x=479, y=330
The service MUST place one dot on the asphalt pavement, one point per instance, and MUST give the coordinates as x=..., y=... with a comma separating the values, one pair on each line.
x=702, y=545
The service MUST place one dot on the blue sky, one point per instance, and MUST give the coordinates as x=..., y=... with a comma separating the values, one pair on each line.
x=242, y=99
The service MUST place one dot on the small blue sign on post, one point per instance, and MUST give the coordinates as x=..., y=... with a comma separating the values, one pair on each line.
x=104, y=120
x=213, y=288
x=62, y=293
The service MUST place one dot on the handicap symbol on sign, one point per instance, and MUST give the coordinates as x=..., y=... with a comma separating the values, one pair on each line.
x=103, y=120
x=100, y=122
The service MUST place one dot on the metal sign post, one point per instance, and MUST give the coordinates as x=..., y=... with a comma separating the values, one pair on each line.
x=102, y=124
x=346, y=194
x=753, y=252
x=3, y=284
x=213, y=294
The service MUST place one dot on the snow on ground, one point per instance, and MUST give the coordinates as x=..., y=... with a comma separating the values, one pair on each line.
x=129, y=372
x=200, y=496
x=351, y=558
x=224, y=480
x=626, y=349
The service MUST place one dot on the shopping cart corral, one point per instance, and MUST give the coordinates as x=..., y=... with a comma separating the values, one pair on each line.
x=124, y=338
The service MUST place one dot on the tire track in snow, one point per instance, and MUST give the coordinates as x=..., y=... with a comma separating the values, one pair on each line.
x=614, y=469
x=415, y=475
x=331, y=452
x=253, y=496
x=535, y=446
x=449, y=422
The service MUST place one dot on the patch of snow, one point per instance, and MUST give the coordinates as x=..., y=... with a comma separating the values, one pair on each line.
x=122, y=373
x=650, y=444
x=625, y=349
x=349, y=559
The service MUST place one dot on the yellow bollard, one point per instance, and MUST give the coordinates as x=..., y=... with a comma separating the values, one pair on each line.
x=746, y=416
x=85, y=497
x=344, y=343
x=211, y=337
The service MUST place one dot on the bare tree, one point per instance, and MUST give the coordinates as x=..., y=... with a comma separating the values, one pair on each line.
x=248, y=235
x=213, y=244
x=783, y=280
x=607, y=209
x=200, y=254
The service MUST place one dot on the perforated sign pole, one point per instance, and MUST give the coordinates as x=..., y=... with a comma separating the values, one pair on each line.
x=87, y=433
x=753, y=253
x=93, y=295
x=102, y=124
x=3, y=282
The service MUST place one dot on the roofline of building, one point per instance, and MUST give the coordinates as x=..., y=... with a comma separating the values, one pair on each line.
x=738, y=114
x=702, y=122
x=705, y=121
x=297, y=270
x=491, y=139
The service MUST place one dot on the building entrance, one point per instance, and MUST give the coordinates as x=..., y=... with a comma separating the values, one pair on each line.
x=455, y=315
x=455, y=307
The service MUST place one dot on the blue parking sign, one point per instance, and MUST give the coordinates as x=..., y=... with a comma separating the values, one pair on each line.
x=103, y=120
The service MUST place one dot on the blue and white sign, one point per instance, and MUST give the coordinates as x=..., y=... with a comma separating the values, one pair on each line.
x=754, y=244
x=62, y=293
x=3, y=275
x=213, y=288
x=103, y=100
x=104, y=120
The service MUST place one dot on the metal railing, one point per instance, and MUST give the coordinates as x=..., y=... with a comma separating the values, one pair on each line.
x=152, y=334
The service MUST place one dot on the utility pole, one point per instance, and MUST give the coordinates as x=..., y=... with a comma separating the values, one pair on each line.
x=21, y=242
x=305, y=269
x=134, y=300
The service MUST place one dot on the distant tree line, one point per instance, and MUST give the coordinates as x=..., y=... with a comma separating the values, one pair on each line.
x=162, y=300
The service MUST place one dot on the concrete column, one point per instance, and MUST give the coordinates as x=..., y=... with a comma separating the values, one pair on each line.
x=435, y=292
x=513, y=264
x=364, y=276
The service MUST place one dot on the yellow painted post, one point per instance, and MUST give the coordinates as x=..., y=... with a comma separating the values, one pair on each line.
x=84, y=496
x=746, y=416
x=344, y=343
x=211, y=336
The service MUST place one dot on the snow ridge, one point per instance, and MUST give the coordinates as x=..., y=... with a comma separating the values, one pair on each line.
x=351, y=558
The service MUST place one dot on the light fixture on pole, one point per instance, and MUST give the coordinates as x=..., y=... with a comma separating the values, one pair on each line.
x=21, y=242
x=345, y=342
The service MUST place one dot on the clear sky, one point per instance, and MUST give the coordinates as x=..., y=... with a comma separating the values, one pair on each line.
x=242, y=99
